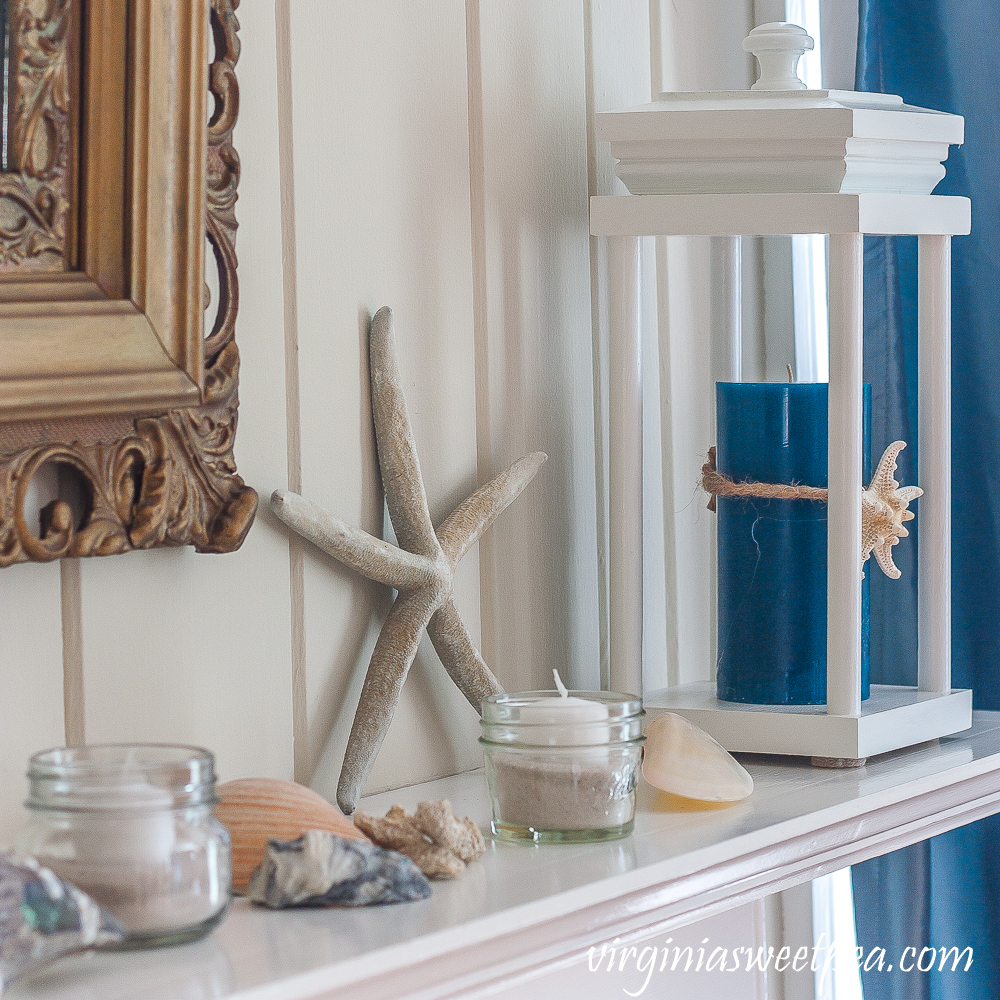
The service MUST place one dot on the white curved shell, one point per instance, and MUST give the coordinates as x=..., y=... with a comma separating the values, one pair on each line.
x=682, y=759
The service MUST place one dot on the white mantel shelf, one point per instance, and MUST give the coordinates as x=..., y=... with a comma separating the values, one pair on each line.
x=526, y=909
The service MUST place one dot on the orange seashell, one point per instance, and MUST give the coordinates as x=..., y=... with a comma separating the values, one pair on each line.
x=255, y=809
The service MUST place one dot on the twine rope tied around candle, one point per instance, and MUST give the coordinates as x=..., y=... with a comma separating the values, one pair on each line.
x=716, y=484
x=883, y=505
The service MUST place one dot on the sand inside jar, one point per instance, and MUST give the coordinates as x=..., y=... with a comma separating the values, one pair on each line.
x=561, y=795
x=147, y=900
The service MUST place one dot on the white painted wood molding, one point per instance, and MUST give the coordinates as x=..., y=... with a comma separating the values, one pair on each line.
x=934, y=422
x=805, y=140
x=843, y=616
x=523, y=911
x=625, y=464
x=778, y=214
x=727, y=309
x=893, y=717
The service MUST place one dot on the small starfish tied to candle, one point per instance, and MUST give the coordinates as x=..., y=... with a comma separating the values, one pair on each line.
x=883, y=511
x=421, y=569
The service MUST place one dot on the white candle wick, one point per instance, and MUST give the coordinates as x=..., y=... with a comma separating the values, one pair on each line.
x=560, y=687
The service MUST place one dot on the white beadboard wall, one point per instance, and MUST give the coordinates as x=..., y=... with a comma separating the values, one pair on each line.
x=437, y=158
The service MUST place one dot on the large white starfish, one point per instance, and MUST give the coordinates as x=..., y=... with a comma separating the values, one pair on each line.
x=421, y=569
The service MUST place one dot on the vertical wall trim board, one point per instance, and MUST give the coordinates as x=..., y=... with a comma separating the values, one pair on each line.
x=72, y=647
x=599, y=361
x=477, y=198
x=670, y=659
x=656, y=67
x=671, y=577
x=286, y=161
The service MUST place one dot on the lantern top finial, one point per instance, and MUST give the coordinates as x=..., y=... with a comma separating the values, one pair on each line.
x=780, y=137
x=777, y=47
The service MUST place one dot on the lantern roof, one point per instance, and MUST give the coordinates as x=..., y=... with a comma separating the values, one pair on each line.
x=779, y=136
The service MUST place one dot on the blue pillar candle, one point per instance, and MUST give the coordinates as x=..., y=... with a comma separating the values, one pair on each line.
x=772, y=553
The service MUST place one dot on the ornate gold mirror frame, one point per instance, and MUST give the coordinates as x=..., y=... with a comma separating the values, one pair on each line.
x=107, y=198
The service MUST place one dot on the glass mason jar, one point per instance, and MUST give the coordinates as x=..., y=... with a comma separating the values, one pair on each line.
x=562, y=770
x=132, y=825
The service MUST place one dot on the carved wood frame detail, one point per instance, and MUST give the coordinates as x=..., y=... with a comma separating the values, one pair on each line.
x=35, y=195
x=152, y=480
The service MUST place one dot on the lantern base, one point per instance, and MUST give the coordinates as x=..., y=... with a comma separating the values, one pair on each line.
x=893, y=717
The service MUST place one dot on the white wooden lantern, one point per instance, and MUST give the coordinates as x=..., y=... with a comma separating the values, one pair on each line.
x=779, y=160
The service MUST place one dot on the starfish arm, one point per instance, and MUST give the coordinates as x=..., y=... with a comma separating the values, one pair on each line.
x=870, y=507
x=391, y=661
x=362, y=552
x=868, y=542
x=909, y=493
x=397, y=453
x=883, y=482
x=470, y=519
x=873, y=517
x=883, y=555
x=460, y=657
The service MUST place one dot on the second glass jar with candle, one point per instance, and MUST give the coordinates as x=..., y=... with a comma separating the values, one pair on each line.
x=133, y=826
x=562, y=770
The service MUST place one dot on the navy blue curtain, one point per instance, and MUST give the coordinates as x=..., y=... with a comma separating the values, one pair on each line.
x=941, y=54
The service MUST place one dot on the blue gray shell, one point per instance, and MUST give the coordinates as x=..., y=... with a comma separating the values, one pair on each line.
x=321, y=869
x=43, y=917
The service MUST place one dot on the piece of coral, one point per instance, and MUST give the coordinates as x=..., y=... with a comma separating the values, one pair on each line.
x=460, y=836
x=438, y=841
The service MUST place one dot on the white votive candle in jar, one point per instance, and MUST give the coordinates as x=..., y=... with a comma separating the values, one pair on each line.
x=561, y=767
x=566, y=720
x=133, y=826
